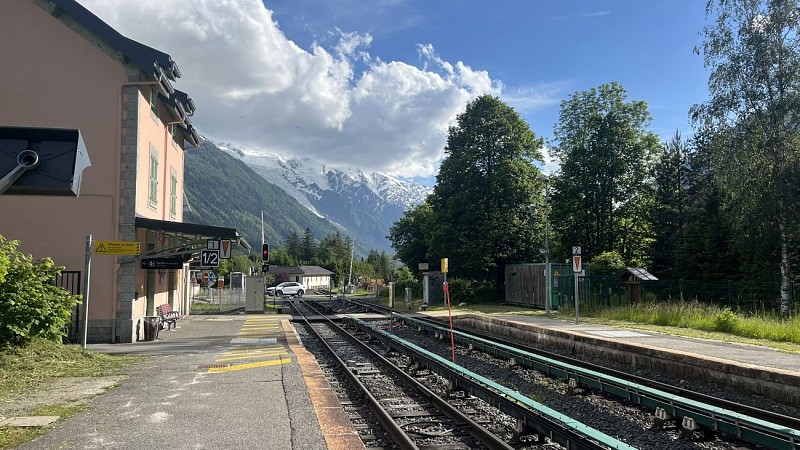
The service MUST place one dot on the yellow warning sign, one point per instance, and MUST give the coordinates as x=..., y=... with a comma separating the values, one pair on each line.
x=116, y=247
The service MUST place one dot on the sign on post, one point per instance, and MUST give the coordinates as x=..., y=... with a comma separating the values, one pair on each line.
x=444, y=265
x=165, y=262
x=116, y=247
x=576, y=264
x=209, y=258
x=576, y=270
x=225, y=249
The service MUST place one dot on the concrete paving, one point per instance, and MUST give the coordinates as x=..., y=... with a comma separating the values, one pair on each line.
x=199, y=390
x=732, y=351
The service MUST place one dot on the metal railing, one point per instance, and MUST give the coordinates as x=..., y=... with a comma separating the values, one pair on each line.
x=70, y=280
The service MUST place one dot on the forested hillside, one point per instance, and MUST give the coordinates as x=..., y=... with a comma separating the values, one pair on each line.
x=224, y=191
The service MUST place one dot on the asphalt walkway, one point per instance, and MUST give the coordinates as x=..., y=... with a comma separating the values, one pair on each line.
x=217, y=382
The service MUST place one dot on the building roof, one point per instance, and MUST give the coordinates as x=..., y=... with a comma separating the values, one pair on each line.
x=300, y=270
x=155, y=65
x=639, y=273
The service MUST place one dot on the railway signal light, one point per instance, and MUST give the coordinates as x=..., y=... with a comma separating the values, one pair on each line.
x=264, y=253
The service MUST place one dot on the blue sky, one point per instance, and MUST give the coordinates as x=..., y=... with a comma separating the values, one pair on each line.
x=374, y=84
x=549, y=48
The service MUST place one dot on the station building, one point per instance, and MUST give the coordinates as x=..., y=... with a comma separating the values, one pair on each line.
x=65, y=68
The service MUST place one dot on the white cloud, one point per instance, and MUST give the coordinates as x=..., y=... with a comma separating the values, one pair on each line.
x=532, y=98
x=551, y=165
x=258, y=89
x=596, y=14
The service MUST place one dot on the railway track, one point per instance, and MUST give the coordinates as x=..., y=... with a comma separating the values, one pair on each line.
x=537, y=426
x=692, y=412
x=411, y=414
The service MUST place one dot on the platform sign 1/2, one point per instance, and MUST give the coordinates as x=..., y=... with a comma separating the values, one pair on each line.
x=209, y=258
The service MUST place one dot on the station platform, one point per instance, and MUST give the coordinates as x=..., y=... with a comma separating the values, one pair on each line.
x=216, y=382
x=246, y=381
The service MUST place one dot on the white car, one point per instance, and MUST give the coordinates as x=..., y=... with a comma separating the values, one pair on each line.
x=287, y=288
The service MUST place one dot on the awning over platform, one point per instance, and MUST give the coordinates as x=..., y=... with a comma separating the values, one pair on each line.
x=187, y=238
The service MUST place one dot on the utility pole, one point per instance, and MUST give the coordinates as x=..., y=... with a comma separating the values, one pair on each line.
x=546, y=250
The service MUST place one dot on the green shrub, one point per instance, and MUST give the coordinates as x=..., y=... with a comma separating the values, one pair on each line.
x=400, y=289
x=725, y=320
x=461, y=290
x=607, y=263
x=30, y=304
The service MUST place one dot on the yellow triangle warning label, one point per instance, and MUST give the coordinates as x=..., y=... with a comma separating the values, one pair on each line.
x=101, y=249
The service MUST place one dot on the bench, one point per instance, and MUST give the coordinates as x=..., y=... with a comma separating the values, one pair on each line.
x=168, y=316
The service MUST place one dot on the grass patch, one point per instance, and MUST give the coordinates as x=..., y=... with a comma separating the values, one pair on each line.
x=697, y=319
x=26, y=367
x=31, y=367
x=199, y=307
x=11, y=437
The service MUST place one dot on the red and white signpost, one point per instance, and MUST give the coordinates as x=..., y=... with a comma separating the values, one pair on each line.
x=576, y=270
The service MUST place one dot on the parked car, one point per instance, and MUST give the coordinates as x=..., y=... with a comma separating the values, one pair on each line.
x=287, y=288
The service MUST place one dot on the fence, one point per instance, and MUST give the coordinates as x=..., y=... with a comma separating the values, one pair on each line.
x=227, y=298
x=740, y=296
x=70, y=280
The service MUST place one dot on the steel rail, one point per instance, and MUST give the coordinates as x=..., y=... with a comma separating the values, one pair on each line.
x=544, y=421
x=745, y=427
x=486, y=437
x=769, y=416
x=400, y=437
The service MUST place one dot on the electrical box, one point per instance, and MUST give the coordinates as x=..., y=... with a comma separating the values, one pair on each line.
x=254, y=301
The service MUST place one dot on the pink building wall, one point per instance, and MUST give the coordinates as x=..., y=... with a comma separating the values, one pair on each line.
x=61, y=76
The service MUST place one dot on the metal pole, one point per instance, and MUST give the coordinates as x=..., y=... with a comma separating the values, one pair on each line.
x=87, y=280
x=547, y=248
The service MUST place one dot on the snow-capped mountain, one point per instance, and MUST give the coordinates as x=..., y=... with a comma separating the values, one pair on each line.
x=365, y=203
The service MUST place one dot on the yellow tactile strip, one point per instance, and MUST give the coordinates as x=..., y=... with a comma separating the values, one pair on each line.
x=336, y=427
x=260, y=334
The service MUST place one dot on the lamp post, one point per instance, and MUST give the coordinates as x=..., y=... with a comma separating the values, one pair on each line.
x=547, y=245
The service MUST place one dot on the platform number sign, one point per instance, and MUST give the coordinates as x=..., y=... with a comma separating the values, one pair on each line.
x=209, y=258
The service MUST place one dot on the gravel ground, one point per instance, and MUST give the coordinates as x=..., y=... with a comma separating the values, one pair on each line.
x=697, y=385
x=624, y=422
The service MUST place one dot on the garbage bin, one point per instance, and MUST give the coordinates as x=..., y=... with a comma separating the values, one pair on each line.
x=151, y=326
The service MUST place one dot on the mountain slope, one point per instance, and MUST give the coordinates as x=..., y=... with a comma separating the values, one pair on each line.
x=224, y=191
x=366, y=204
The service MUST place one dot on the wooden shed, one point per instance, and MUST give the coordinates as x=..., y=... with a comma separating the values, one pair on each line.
x=632, y=279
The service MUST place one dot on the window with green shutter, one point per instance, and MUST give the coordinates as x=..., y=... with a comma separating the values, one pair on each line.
x=153, y=177
x=173, y=194
x=154, y=101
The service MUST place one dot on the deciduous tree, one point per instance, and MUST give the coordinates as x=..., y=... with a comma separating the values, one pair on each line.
x=752, y=49
x=602, y=197
x=481, y=217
